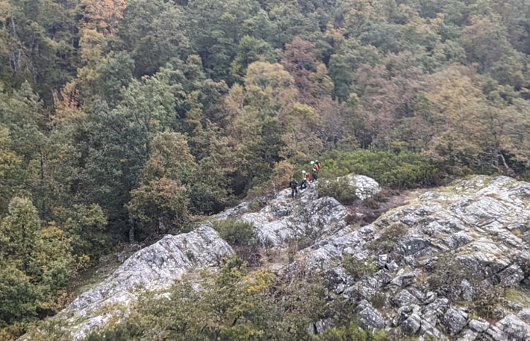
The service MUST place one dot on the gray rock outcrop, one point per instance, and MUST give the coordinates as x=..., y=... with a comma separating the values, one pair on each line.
x=308, y=216
x=153, y=268
x=453, y=263
x=448, y=246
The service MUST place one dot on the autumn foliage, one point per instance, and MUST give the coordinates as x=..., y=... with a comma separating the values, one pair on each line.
x=122, y=120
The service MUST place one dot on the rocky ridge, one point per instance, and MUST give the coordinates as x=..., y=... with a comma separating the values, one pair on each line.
x=153, y=268
x=446, y=249
x=309, y=216
x=426, y=266
x=433, y=259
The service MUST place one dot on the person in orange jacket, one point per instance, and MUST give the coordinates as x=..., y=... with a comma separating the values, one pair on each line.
x=307, y=176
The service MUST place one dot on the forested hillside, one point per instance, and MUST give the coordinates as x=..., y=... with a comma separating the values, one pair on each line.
x=123, y=119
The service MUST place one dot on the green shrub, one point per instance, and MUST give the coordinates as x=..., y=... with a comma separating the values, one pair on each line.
x=358, y=268
x=235, y=305
x=338, y=189
x=403, y=170
x=235, y=232
x=387, y=242
x=378, y=300
x=446, y=280
x=353, y=332
x=447, y=276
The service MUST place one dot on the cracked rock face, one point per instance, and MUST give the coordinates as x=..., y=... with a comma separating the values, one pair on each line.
x=308, y=216
x=285, y=219
x=482, y=223
x=153, y=268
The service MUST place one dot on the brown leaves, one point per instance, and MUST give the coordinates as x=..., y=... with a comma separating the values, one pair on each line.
x=299, y=59
x=67, y=103
x=389, y=95
x=104, y=14
x=469, y=128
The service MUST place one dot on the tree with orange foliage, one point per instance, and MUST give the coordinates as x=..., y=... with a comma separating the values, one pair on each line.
x=104, y=14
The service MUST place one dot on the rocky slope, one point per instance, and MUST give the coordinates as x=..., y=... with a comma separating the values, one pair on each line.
x=309, y=217
x=452, y=263
x=153, y=268
x=440, y=263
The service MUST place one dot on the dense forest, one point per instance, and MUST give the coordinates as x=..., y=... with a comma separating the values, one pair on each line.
x=124, y=119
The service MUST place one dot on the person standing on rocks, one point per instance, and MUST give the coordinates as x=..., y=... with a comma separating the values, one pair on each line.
x=307, y=176
x=316, y=168
x=294, y=188
x=304, y=183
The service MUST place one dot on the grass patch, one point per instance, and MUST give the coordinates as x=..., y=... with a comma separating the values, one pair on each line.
x=389, y=238
x=517, y=296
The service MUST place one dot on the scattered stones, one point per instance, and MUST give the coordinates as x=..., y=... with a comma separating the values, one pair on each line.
x=479, y=325
x=467, y=290
x=412, y=325
x=371, y=318
x=468, y=335
x=404, y=297
x=511, y=275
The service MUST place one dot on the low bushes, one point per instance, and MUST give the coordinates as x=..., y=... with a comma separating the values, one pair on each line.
x=338, y=189
x=358, y=268
x=236, y=232
x=399, y=171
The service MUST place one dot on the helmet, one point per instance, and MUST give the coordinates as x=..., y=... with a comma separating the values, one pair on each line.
x=312, y=162
x=316, y=161
x=303, y=172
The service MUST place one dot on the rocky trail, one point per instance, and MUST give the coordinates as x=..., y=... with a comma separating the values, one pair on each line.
x=449, y=263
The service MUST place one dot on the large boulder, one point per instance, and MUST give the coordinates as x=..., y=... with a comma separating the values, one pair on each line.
x=155, y=267
x=365, y=187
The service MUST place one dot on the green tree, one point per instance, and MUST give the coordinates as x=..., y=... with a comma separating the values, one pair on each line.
x=161, y=201
x=19, y=232
x=9, y=169
x=36, y=265
x=250, y=50
x=154, y=33
x=217, y=30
